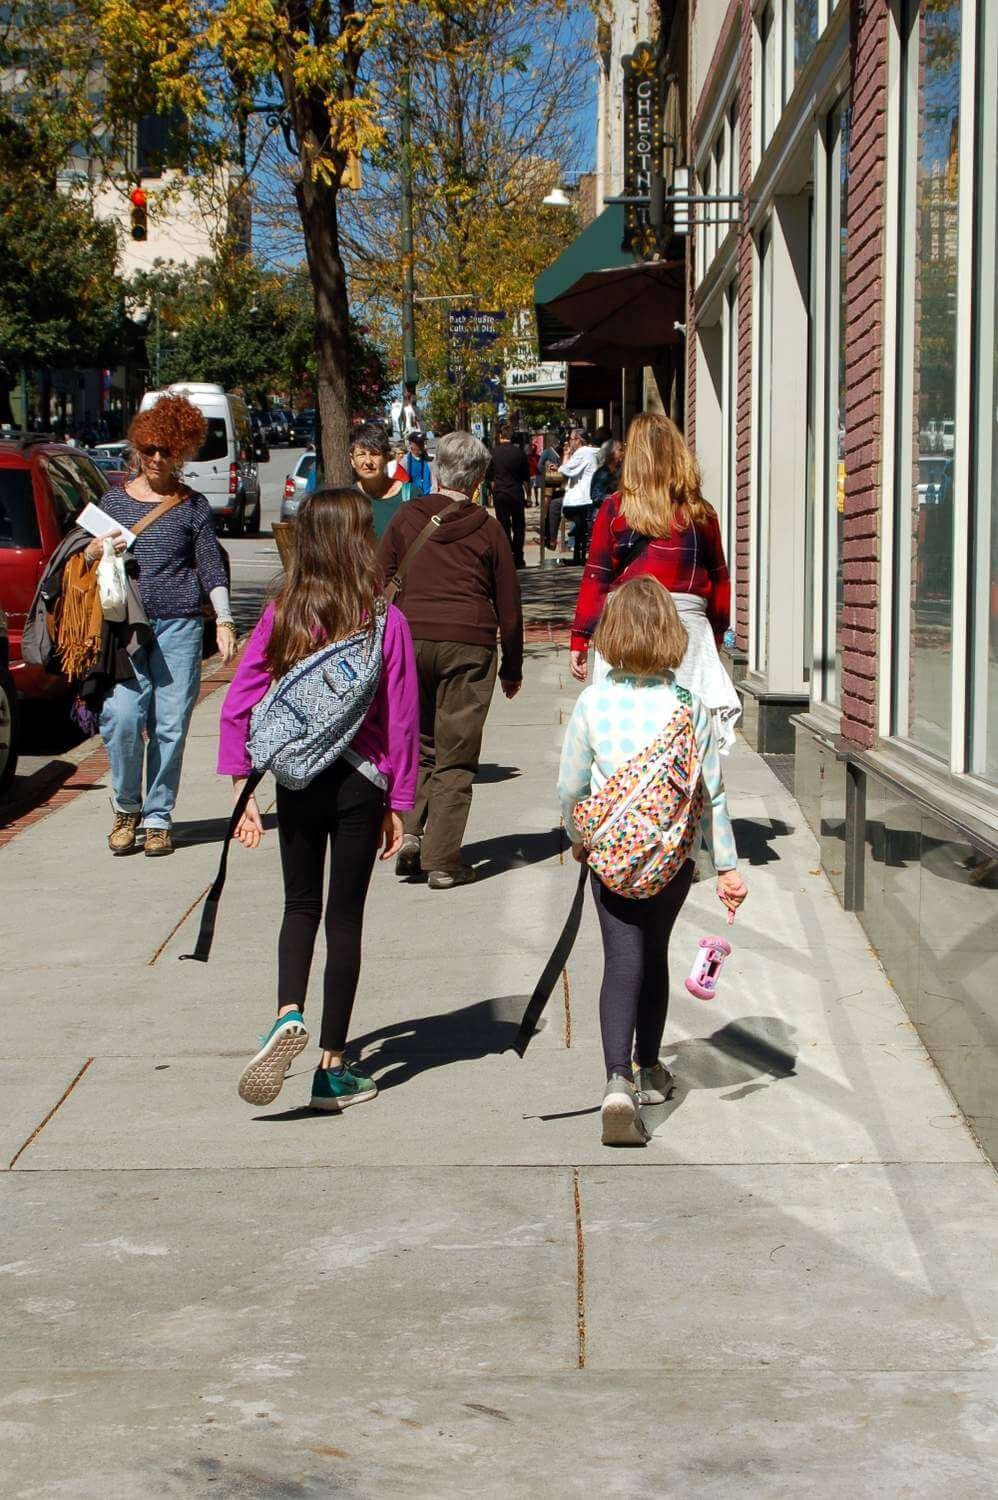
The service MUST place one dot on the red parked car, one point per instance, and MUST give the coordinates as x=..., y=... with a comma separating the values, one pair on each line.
x=43, y=487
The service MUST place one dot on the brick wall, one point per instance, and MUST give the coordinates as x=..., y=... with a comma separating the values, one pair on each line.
x=864, y=368
x=743, y=431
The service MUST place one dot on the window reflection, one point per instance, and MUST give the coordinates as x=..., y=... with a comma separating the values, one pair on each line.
x=805, y=31
x=931, y=192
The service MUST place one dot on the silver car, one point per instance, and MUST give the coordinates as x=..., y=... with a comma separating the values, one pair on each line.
x=296, y=485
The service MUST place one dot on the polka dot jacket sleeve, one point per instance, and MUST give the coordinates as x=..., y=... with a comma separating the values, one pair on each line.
x=716, y=826
x=575, y=771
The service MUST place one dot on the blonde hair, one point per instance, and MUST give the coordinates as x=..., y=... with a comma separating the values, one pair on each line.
x=660, y=479
x=640, y=631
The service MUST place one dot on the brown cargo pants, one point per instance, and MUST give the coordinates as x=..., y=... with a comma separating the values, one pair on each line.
x=456, y=682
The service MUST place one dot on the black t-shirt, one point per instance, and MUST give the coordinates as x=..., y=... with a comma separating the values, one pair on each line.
x=508, y=472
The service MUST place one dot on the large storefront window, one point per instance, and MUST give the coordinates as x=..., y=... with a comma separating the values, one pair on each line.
x=927, y=410
x=984, y=570
x=835, y=248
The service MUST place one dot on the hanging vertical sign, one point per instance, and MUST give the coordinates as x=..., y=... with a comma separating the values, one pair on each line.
x=642, y=146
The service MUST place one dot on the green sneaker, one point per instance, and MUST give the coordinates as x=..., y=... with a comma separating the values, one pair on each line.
x=263, y=1077
x=334, y=1091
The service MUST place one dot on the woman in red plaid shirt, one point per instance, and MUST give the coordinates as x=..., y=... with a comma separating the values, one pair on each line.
x=660, y=523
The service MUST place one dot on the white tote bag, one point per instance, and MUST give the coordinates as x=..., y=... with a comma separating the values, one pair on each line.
x=112, y=584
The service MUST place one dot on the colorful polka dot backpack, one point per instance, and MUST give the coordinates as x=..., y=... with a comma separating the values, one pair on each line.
x=638, y=829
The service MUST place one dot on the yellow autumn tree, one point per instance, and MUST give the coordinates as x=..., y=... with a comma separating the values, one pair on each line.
x=319, y=76
x=498, y=97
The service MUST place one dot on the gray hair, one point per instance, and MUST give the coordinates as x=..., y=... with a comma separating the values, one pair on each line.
x=461, y=462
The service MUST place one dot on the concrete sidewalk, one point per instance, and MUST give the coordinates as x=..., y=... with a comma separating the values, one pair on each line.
x=458, y=1291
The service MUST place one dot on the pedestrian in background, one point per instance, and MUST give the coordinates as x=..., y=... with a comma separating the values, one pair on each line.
x=370, y=455
x=660, y=524
x=418, y=464
x=547, y=464
x=144, y=720
x=460, y=591
x=578, y=466
x=509, y=475
x=330, y=592
x=614, y=725
x=606, y=480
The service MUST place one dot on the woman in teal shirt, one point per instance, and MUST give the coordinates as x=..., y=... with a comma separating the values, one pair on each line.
x=370, y=453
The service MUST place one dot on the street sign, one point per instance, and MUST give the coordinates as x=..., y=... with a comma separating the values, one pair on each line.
x=471, y=325
x=642, y=147
x=474, y=330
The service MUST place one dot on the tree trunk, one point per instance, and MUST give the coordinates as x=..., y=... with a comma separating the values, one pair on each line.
x=317, y=206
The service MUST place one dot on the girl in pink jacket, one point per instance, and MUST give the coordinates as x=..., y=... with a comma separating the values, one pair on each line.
x=330, y=592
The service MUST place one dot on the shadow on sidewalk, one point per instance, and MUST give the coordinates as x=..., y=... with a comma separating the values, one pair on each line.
x=211, y=830
x=754, y=839
x=511, y=851
x=488, y=774
x=745, y=1056
x=396, y=1054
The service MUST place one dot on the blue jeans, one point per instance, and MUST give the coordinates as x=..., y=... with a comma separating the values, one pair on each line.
x=157, y=701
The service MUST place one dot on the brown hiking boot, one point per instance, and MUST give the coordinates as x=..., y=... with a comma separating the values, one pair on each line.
x=121, y=839
x=158, y=842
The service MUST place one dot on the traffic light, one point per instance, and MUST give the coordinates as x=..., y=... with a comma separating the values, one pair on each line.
x=139, y=200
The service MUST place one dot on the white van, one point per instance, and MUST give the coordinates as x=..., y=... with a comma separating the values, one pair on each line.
x=225, y=470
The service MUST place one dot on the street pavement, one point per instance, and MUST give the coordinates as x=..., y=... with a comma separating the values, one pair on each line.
x=458, y=1291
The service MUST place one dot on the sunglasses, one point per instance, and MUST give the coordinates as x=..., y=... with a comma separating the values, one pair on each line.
x=149, y=450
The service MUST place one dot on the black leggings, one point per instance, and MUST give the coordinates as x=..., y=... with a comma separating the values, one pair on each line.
x=344, y=809
x=634, y=997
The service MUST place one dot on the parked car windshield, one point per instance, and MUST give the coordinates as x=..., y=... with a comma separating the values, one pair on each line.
x=18, y=520
x=216, y=444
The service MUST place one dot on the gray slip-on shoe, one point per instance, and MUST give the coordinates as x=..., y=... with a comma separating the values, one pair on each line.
x=620, y=1114
x=655, y=1084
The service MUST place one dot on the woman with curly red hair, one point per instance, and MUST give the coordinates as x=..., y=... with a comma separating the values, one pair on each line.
x=178, y=561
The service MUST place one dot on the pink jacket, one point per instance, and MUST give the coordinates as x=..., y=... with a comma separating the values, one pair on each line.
x=388, y=737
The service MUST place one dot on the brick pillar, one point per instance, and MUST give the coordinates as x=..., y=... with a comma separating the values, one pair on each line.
x=743, y=433
x=865, y=385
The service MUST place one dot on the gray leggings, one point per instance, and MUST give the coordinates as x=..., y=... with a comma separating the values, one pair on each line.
x=634, y=997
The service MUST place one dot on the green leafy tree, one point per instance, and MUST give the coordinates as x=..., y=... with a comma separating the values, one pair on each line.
x=60, y=296
x=330, y=69
x=229, y=321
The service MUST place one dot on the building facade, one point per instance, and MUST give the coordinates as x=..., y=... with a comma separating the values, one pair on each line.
x=841, y=397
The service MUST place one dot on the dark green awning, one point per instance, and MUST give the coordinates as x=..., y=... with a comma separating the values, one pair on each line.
x=597, y=248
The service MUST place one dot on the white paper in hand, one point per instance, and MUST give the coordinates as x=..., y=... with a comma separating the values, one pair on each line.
x=99, y=523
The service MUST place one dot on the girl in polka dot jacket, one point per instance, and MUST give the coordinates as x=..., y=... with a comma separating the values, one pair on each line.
x=642, y=639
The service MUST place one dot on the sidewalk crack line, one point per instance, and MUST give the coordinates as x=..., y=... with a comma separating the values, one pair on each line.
x=39, y=1128
x=580, y=1271
x=177, y=925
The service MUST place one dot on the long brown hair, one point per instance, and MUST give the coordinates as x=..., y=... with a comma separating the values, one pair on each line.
x=660, y=480
x=332, y=588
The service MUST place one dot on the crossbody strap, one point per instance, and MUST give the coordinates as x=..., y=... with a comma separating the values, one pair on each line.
x=157, y=512
x=394, y=586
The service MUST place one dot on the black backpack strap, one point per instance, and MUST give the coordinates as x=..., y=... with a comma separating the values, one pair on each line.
x=206, y=932
x=553, y=967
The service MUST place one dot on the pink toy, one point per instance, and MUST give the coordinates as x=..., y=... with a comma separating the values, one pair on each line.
x=707, y=966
